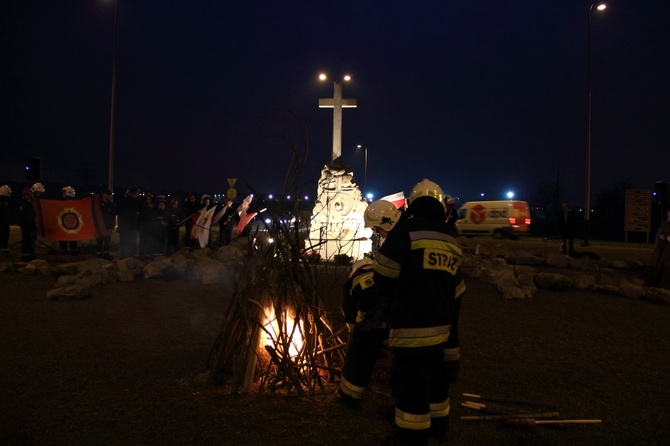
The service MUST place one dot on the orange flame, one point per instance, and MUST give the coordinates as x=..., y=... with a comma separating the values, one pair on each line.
x=272, y=332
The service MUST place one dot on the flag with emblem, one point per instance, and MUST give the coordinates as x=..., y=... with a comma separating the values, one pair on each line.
x=200, y=230
x=69, y=220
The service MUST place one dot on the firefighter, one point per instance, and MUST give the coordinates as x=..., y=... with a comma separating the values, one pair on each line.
x=144, y=226
x=174, y=221
x=5, y=193
x=417, y=273
x=37, y=189
x=363, y=313
x=225, y=224
x=70, y=247
x=109, y=212
x=27, y=224
x=452, y=214
x=190, y=208
x=158, y=228
x=128, y=211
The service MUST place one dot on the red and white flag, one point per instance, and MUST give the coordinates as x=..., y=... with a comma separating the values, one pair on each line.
x=200, y=229
x=69, y=220
x=242, y=212
x=398, y=199
x=244, y=220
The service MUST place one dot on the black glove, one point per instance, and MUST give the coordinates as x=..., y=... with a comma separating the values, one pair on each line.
x=453, y=368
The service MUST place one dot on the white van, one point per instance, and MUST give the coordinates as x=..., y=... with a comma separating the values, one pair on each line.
x=508, y=218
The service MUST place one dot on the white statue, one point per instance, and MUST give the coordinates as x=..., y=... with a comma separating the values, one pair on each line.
x=337, y=226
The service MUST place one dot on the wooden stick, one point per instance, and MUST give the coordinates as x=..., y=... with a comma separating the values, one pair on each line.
x=493, y=408
x=533, y=422
x=506, y=417
x=511, y=400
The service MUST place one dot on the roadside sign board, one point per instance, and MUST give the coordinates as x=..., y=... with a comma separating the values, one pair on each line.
x=637, y=217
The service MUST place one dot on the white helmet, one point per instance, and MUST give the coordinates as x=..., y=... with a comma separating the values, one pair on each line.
x=427, y=188
x=365, y=262
x=205, y=197
x=381, y=213
x=68, y=191
x=5, y=190
x=37, y=187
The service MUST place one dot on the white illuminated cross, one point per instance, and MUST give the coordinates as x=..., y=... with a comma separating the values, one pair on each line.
x=337, y=103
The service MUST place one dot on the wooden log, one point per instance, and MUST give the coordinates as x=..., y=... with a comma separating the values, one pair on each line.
x=511, y=400
x=533, y=422
x=516, y=416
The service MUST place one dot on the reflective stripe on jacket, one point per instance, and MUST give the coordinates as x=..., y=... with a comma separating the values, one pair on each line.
x=417, y=271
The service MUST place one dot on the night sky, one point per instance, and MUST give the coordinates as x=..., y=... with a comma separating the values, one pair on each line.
x=479, y=96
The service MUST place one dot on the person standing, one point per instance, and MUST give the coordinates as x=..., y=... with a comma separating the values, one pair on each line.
x=38, y=190
x=190, y=208
x=452, y=214
x=108, y=210
x=69, y=246
x=417, y=272
x=660, y=259
x=566, y=227
x=363, y=312
x=173, y=221
x=225, y=224
x=158, y=229
x=27, y=224
x=145, y=220
x=205, y=205
x=5, y=193
x=128, y=211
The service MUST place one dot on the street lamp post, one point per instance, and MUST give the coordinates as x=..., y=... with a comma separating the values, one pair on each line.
x=365, y=169
x=587, y=198
x=112, y=112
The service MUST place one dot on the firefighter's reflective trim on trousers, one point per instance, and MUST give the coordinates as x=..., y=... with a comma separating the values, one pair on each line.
x=439, y=410
x=386, y=267
x=351, y=390
x=418, y=337
x=452, y=354
x=411, y=421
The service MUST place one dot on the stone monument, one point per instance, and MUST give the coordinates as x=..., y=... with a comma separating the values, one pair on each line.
x=337, y=226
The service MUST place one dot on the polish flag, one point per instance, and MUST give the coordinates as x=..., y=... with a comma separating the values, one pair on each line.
x=398, y=199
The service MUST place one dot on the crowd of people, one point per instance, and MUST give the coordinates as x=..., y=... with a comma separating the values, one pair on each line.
x=147, y=226
x=150, y=226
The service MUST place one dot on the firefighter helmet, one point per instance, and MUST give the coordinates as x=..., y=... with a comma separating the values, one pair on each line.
x=5, y=190
x=382, y=214
x=68, y=191
x=365, y=262
x=37, y=187
x=427, y=188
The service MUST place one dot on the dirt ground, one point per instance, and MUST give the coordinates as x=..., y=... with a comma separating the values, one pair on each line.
x=125, y=367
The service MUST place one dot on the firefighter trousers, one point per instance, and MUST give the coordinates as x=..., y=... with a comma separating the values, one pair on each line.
x=420, y=391
x=362, y=353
